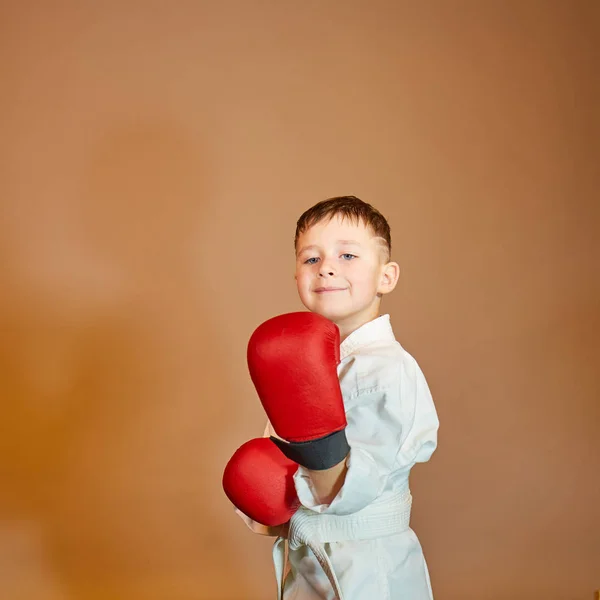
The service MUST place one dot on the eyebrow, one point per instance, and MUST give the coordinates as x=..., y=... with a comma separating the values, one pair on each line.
x=341, y=242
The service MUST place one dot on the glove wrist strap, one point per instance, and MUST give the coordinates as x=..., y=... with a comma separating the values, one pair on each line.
x=319, y=454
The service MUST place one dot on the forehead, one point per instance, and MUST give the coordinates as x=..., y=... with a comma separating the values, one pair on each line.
x=335, y=229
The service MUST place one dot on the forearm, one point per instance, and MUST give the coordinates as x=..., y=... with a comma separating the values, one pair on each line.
x=328, y=482
x=258, y=528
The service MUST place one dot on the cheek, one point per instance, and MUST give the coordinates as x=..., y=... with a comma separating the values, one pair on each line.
x=365, y=281
x=302, y=278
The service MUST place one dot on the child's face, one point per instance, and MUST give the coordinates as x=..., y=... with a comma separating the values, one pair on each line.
x=341, y=272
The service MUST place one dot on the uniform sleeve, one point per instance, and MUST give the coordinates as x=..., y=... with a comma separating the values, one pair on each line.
x=255, y=526
x=391, y=426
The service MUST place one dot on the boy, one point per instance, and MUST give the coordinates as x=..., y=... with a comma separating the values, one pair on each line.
x=343, y=269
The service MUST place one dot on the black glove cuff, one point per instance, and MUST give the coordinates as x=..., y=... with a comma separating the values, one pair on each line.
x=317, y=455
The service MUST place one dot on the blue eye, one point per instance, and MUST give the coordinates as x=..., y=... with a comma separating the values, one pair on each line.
x=309, y=261
x=345, y=256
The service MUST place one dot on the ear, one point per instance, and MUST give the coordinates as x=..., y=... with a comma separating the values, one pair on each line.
x=389, y=278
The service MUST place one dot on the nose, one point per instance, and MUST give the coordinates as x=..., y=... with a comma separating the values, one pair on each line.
x=326, y=270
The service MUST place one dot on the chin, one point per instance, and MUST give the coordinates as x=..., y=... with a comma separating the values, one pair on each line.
x=331, y=311
x=333, y=315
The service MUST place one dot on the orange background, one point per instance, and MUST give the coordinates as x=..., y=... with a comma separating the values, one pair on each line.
x=154, y=157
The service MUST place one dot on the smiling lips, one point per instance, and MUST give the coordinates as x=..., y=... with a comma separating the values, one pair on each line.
x=322, y=290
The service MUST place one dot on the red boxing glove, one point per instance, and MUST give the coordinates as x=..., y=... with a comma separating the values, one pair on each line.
x=293, y=362
x=259, y=480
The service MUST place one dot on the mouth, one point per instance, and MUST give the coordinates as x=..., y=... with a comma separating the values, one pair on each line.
x=327, y=290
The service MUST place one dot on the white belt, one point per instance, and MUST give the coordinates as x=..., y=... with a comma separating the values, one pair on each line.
x=383, y=517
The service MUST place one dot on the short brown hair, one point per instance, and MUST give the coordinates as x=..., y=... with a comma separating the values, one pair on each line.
x=348, y=207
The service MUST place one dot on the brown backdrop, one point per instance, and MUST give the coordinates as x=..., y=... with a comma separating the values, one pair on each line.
x=153, y=159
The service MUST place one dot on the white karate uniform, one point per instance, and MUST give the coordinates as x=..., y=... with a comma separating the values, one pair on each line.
x=360, y=546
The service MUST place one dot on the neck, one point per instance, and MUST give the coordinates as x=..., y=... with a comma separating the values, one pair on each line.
x=353, y=322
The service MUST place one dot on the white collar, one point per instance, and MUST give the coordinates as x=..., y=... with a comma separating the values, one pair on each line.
x=377, y=330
